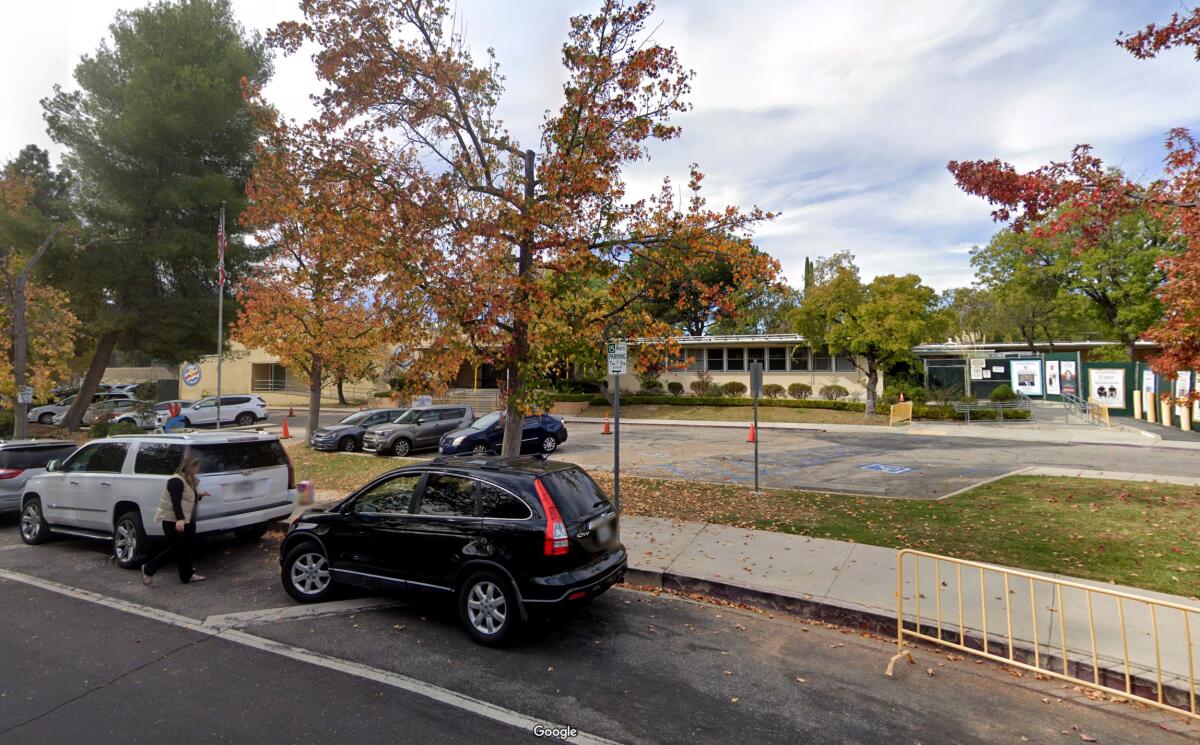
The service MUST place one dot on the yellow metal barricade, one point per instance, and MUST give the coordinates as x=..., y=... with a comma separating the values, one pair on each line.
x=900, y=413
x=1138, y=637
x=1098, y=412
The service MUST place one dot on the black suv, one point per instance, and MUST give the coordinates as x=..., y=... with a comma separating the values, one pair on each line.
x=500, y=535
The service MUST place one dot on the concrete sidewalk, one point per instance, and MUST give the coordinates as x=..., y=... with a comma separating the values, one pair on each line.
x=855, y=584
x=1057, y=434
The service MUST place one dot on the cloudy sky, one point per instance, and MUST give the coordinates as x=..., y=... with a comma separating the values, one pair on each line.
x=841, y=116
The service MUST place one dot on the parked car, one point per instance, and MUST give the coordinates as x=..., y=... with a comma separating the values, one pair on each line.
x=501, y=536
x=347, y=435
x=147, y=417
x=110, y=488
x=416, y=429
x=539, y=434
x=21, y=460
x=46, y=414
x=113, y=407
x=242, y=410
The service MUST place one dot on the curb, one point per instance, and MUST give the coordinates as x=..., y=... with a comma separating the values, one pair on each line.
x=808, y=607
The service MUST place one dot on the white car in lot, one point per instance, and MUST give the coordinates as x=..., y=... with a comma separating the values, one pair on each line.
x=242, y=410
x=110, y=488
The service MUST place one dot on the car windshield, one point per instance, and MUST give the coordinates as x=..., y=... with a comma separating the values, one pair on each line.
x=68, y=401
x=357, y=417
x=408, y=417
x=487, y=420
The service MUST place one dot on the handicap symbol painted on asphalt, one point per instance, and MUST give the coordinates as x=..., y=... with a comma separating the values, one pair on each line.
x=885, y=468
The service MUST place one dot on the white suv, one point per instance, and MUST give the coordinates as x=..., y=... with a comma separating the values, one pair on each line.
x=110, y=488
x=242, y=410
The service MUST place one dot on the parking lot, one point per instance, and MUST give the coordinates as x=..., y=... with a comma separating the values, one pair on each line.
x=91, y=654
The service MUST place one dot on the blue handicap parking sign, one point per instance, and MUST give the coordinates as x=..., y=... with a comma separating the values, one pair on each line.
x=885, y=468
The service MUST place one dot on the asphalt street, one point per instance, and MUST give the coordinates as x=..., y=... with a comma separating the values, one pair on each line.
x=113, y=661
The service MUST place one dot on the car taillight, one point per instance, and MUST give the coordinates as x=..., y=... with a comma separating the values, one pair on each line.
x=10, y=473
x=557, y=543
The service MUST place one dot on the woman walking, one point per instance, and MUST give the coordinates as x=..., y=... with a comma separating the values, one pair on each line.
x=177, y=513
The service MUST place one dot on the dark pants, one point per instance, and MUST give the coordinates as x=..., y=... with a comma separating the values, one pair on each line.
x=179, y=547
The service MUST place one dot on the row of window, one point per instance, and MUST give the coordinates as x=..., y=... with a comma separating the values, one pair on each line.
x=444, y=496
x=162, y=459
x=773, y=359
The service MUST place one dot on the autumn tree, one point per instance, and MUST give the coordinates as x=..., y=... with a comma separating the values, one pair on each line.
x=518, y=239
x=876, y=324
x=159, y=137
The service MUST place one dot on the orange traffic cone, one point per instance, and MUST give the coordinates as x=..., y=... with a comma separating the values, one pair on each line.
x=286, y=434
x=901, y=396
x=753, y=436
x=606, y=430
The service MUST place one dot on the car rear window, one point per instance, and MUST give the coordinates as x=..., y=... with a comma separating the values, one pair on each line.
x=240, y=456
x=157, y=458
x=33, y=457
x=575, y=494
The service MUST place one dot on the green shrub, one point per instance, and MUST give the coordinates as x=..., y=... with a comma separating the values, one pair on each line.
x=100, y=427
x=772, y=390
x=382, y=394
x=652, y=386
x=124, y=428
x=733, y=388
x=833, y=392
x=912, y=392
x=571, y=397
x=6, y=422
x=799, y=390
x=675, y=387
x=782, y=403
x=1003, y=392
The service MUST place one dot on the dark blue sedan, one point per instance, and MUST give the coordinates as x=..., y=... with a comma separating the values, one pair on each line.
x=540, y=434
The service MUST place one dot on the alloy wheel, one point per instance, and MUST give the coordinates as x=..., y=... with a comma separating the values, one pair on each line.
x=401, y=447
x=480, y=449
x=549, y=444
x=126, y=544
x=346, y=445
x=310, y=573
x=31, y=522
x=487, y=608
x=46, y=418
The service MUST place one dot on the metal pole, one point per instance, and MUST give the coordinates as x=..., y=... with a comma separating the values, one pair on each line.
x=617, y=443
x=220, y=311
x=756, y=435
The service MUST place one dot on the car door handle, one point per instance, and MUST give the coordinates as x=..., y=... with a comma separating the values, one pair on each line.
x=105, y=483
x=73, y=483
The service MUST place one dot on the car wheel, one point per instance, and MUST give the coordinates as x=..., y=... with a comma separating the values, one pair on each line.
x=347, y=445
x=245, y=419
x=251, y=533
x=305, y=573
x=129, y=540
x=187, y=423
x=34, y=528
x=549, y=444
x=481, y=449
x=488, y=608
x=46, y=418
x=401, y=447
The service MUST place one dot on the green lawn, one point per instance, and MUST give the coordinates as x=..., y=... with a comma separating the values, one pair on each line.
x=739, y=414
x=1137, y=534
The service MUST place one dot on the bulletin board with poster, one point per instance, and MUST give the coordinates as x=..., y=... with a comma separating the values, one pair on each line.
x=1107, y=386
x=1149, y=387
x=1027, y=376
x=1183, y=388
x=1068, y=377
x=1052, y=379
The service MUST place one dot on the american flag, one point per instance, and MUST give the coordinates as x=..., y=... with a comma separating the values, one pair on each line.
x=221, y=249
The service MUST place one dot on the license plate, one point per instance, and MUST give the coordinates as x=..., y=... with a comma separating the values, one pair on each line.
x=604, y=533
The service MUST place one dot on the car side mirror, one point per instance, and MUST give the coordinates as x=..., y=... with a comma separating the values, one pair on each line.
x=422, y=420
x=53, y=465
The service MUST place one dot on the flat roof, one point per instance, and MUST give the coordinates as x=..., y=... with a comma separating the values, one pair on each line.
x=1020, y=346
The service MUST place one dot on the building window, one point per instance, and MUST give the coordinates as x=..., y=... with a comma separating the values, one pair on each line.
x=716, y=360
x=777, y=359
x=845, y=364
x=800, y=358
x=736, y=359
x=268, y=377
x=821, y=361
x=757, y=354
x=692, y=358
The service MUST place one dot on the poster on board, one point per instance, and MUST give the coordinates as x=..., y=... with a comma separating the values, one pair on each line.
x=976, y=366
x=1107, y=386
x=1027, y=376
x=1052, y=387
x=1068, y=378
x=1183, y=386
x=1148, y=387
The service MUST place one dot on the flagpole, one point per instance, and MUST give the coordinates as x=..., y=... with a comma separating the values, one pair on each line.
x=220, y=306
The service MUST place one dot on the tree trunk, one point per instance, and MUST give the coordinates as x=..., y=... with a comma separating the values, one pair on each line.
x=20, y=336
x=91, y=381
x=314, y=393
x=341, y=395
x=1131, y=348
x=514, y=420
x=872, y=383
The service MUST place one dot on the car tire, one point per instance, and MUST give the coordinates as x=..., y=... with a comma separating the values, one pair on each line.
x=481, y=449
x=251, y=533
x=305, y=573
x=245, y=419
x=187, y=423
x=34, y=528
x=347, y=444
x=488, y=608
x=401, y=447
x=129, y=540
x=46, y=417
x=549, y=444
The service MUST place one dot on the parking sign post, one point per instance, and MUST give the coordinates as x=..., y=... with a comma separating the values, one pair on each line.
x=618, y=356
x=756, y=378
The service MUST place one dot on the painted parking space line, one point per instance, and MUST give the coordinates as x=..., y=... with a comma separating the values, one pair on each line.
x=445, y=696
x=298, y=612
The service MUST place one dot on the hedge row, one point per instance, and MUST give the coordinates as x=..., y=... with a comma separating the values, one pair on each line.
x=731, y=401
